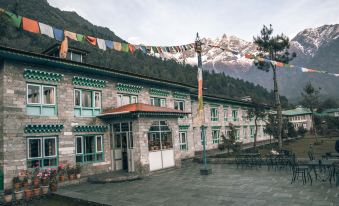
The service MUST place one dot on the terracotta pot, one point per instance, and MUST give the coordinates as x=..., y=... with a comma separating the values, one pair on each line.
x=36, y=191
x=61, y=178
x=54, y=187
x=19, y=195
x=44, y=189
x=28, y=194
x=17, y=186
x=25, y=184
x=36, y=182
x=71, y=177
x=78, y=176
x=8, y=198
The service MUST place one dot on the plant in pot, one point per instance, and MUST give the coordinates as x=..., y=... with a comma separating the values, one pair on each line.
x=28, y=193
x=17, y=183
x=19, y=193
x=61, y=172
x=8, y=195
x=70, y=172
x=45, y=180
x=53, y=183
x=78, y=168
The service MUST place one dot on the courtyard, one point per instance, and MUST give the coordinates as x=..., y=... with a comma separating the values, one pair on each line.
x=226, y=186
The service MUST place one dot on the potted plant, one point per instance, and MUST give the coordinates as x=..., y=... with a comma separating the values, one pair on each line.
x=78, y=168
x=45, y=180
x=61, y=172
x=70, y=172
x=8, y=195
x=53, y=183
x=28, y=193
x=17, y=183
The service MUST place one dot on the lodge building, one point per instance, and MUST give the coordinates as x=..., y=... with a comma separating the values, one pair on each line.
x=65, y=111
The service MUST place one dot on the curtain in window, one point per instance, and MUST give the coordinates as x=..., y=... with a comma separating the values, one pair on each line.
x=33, y=94
x=97, y=99
x=86, y=99
x=48, y=95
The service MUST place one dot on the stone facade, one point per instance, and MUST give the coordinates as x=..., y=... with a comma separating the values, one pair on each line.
x=14, y=118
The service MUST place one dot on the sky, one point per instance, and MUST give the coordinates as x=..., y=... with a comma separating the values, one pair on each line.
x=175, y=22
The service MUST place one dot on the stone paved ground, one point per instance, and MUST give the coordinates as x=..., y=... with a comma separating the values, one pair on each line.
x=226, y=186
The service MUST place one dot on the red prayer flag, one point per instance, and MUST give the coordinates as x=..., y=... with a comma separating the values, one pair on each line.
x=30, y=25
x=279, y=64
x=131, y=48
x=248, y=56
x=91, y=40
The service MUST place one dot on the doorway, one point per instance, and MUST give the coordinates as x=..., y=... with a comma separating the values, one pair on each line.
x=122, y=148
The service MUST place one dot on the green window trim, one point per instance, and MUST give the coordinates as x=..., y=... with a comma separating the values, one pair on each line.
x=214, y=114
x=42, y=159
x=235, y=115
x=128, y=88
x=88, y=82
x=225, y=115
x=97, y=155
x=43, y=128
x=183, y=140
x=252, y=131
x=215, y=136
x=132, y=98
x=180, y=95
x=184, y=127
x=159, y=92
x=42, y=75
x=90, y=128
x=81, y=111
x=40, y=108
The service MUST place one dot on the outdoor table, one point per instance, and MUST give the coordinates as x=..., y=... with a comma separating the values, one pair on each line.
x=325, y=167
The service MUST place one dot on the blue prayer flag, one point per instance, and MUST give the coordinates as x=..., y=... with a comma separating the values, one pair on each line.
x=109, y=44
x=58, y=34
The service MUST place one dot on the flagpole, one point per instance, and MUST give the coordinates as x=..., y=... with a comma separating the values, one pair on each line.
x=198, y=49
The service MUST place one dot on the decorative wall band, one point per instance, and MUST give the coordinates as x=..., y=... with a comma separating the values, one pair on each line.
x=184, y=127
x=88, y=82
x=43, y=128
x=180, y=95
x=159, y=92
x=42, y=75
x=89, y=128
x=216, y=127
x=128, y=88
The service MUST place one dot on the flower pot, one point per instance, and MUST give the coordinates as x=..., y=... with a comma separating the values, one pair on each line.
x=8, y=198
x=53, y=187
x=25, y=184
x=36, y=183
x=44, y=189
x=18, y=195
x=17, y=186
x=28, y=194
x=44, y=181
x=71, y=177
x=36, y=191
x=78, y=176
x=61, y=178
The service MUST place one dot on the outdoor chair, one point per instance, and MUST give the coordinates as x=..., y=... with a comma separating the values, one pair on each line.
x=299, y=170
x=311, y=155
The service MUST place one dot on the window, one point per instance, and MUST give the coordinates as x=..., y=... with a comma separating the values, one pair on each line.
x=124, y=99
x=159, y=102
x=237, y=134
x=245, y=132
x=89, y=148
x=235, y=115
x=215, y=136
x=74, y=56
x=225, y=115
x=179, y=105
x=214, y=114
x=42, y=151
x=41, y=100
x=252, y=132
x=183, y=140
x=159, y=136
x=87, y=103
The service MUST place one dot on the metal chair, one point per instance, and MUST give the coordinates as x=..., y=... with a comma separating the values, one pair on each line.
x=298, y=170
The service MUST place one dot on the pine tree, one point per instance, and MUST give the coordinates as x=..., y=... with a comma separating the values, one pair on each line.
x=258, y=113
x=274, y=48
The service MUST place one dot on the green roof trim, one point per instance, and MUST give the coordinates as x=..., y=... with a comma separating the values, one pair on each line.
x=43, y=128
x=88, y=82
x=128, y=88
x=214, y=105
x=159, y=92
x=180, y=95
x=216, y=127
x=42, y=75
x=296, y=111
x=184, y=127
x=90, y=128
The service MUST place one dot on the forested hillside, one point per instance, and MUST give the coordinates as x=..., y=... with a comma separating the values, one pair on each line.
x=216, y=84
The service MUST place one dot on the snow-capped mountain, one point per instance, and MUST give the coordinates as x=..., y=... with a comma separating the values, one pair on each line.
x=315, y=48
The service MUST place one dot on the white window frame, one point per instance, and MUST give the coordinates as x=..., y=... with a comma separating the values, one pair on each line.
x=79, y=97
x=42, y=94
x=131, y=97
x=214, y=115
x=96, y=106
x=43, y=144
x=39, y=94
x=162, y=102
x=178, y=102
x=93, y=92
x=181, y=143
x=28, y=149
x=152, y=101
x=235, y=117
x=225, y=115
x=216, y=140
x=252, y=132
x=96, y=141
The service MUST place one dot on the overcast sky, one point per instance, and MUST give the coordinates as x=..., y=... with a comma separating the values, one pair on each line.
x=175, y=22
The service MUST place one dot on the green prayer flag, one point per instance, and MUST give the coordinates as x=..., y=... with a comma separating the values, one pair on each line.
x=80, y=37
x=124, y=47
x=15, y=19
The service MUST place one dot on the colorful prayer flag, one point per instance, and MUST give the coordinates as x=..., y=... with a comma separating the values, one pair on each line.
x=30, y=25
x=143, y=49
x=80, y=37
x=58, y=34
x=124, y=47
x=101, y=44
x=91, y=40
x=117, y=46
x=131, y=48
x=63, y=48
x=46, y=30
x=109, y=44
x=71, y=35
x=15, y=19
x=249, y=56
x=279, y=64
